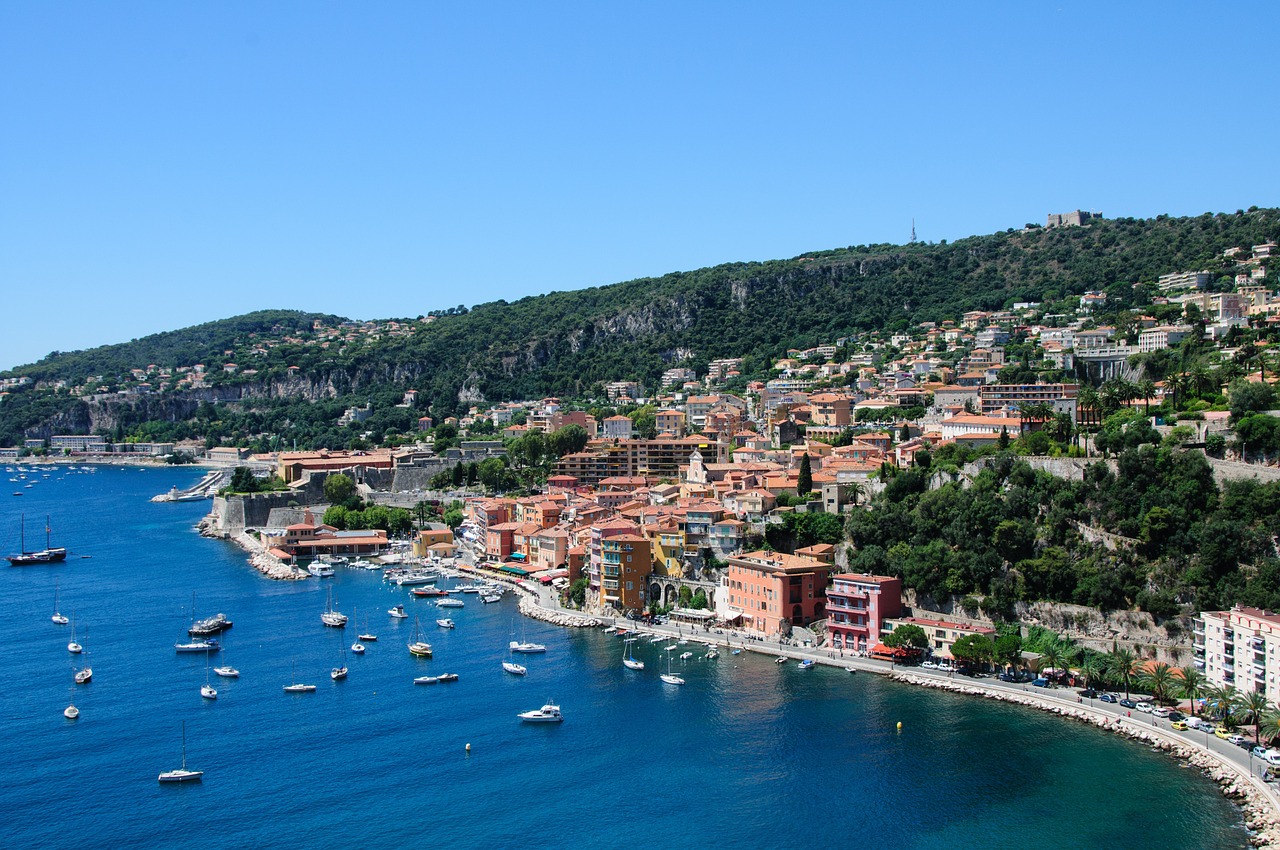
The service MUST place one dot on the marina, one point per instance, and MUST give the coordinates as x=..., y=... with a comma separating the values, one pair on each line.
x=734, y=712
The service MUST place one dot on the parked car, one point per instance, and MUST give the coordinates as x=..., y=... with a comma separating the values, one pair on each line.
x=1221, y=732
x=1087, y=693
x=1007, y=677
x=928, y=665
x=1179, y=726
x=1272, y=756
x=1109, y=698
x=1161, y=712
x=1145, y=707
x=1177, y=715
x=1238, y=739
x=1128, y=703
x=1259, y=751
x=1041, y=683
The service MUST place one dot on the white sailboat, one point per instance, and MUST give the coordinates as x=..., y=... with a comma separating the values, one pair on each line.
x=417, y=646
x=669, y=677
x=73, y=647
x=226, y=671
x=357, y=648
x=331, y=617
x=297, y=687
x=524, y=646
x=71, y=712
x=182, y=774
x=85, y=674
x=207, y=690
x=340, y=672
x=512, y=667
x=628, y=660
x=60, y=619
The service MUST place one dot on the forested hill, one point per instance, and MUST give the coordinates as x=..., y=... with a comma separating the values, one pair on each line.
x=565, y=343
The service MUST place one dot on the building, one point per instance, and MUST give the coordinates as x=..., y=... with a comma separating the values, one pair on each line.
x=625, y=566
x=1178, y=281
x=1239, y=648
x=770, y=591
x=77, y=443
x=310, y=539
x=857, y=606
x=658, y=458
x=293, y=466
x=1075, y=218
x=617, y=428
x=995, y=397
x=1162, y=337
x=941, y=634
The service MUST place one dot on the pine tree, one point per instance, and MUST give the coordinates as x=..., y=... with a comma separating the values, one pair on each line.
x=805, y=482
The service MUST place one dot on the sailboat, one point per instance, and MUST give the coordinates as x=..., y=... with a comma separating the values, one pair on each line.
x=332, y=617
x=85, y=674
x=71, y=712
x=524, y=646
x=628, y=660
x=669, y=677
x=47, y=555
x=417, y=646
x=357, y=648
x=512, y=667
x=207, y=690
x=368, y=636
x=296, y=687
x=182, y=774
x=340, y=672
x=60, y=619
x=73, y=647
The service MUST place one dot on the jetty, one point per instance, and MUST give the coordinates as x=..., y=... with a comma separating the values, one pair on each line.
x=205, y=488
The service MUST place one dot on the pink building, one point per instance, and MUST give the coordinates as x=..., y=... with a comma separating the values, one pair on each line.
x=857, y=606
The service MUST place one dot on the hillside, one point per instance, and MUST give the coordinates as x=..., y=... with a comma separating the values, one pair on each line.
x=566, y=343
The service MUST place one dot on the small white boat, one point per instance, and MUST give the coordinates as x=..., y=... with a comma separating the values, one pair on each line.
x=299, y=689
x=84, y=675
x=527, y=648
x=514, y=668
x=445, y=623
x=368, y=638
x=549, y=713
x=780, y=660
x=208, y=691
x=450, y=603
x=672, y=679
x=60, y=619
x=713, y=653
x=182, y=774
x=490, y=598
x=670, y=648
x=210, y=645
x=319, y=569
x=71, y=712
x=398, y=612
x=73, y=647
x=357, y=648
x=807, y=664
x=338, y=673
x=685, y=656
x=436, y=680
x=227, y=672
x=657, y=639
x=628, y=660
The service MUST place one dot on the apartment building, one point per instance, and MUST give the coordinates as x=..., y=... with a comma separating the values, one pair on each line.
x=857, y=606
x=1239, y=648
x=765, y=589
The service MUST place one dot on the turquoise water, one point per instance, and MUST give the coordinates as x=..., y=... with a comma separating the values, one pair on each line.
x=747, y=754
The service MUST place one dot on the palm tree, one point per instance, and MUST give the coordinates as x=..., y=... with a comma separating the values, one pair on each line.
x=1252, y=705
x=1093, y=668
x=1159, y=680
x=1269, y=724
x=1191, y=685
x=1124, y=666
x=1147, y=391
x=1222, y=699
x=1057, y=655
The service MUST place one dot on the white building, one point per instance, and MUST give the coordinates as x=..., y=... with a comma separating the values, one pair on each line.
x=1239, y=648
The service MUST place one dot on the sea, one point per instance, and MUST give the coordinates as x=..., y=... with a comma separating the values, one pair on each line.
x=748, y=753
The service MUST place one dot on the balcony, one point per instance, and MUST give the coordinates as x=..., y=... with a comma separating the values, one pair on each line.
x=1259, y=644
x=1199, y=662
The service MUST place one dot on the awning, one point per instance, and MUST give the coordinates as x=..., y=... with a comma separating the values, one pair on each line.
x=514, y=570
x=733, y=614
x=517, y=556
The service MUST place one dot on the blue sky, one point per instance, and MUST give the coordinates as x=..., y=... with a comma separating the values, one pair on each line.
x=167, y=164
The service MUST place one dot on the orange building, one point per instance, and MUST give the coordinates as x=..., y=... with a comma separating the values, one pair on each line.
x=625, y=565
x=767, y=588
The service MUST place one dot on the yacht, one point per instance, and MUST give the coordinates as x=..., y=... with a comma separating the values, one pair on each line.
x=207, y=645
x=490, y=598
x=331, y=616
x=209, y=626
x=417, y=646
x=807, y=664
x=446, y=623
x=450, y=603
x=397, y=612
x=227, y=672
x=299, y=689
x=320, y=569
x=549, y=713
x=527, y=648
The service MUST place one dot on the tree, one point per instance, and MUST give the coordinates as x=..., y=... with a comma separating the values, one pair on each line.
x=453, y=518
x=1190, y=685
x=1123, y=666
x=1002, y=442
x=338, y=488
x=973, y=649
x=1008, y=649
x=567, y=440
x=1250, y=706
x=578, y=592
x=908, y=635
x=804, y=483
x=1269, y=725
x=243, y=480
x=1159, y=681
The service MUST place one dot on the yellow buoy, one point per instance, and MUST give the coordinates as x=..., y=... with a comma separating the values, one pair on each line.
x=899, y=725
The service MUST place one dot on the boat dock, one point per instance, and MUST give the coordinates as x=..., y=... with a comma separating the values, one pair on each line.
x=205, y=488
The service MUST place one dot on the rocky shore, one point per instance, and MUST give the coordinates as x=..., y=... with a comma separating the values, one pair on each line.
x=1260, y=809
x=530, y=608
x=259, y=558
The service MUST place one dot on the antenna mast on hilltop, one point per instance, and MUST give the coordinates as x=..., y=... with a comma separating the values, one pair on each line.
x=913, y=231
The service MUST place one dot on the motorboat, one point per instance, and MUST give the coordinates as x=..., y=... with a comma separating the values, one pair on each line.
x=549, y=713
x=424, y=592
x=436, y=680
x=299, y=689
x=182, y=774
x=514, y=668
x=685, y=656
x=490, y=598
x=207, y=645
x=227, y=672
x=713, y=653
x=527, y=648
x=397, y=612
x=446, y=623
x=209, y=626
x=208, y=691
x=670, y=648
x=367, y=638
x=780, y=660
x=448, y=677
x=807, y=664
x=657, y=639
x=411, y=579
x=450, y=603
x=320, y=569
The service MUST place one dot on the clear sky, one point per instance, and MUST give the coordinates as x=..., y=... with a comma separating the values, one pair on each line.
x=164, y=164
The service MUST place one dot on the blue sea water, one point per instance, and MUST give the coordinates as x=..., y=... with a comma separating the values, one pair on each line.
x=747, y=754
